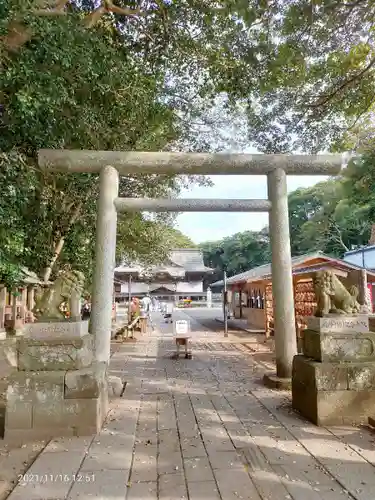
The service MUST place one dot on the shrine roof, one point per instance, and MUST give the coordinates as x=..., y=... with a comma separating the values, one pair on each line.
x=264, y=272
x=191, y=259
x=180, y=261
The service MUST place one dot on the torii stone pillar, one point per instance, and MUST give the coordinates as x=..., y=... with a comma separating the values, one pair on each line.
x=105, y=256
x=282, y=279
x=276, y=167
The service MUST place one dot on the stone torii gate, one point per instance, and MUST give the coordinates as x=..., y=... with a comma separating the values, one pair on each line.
x=111, y=164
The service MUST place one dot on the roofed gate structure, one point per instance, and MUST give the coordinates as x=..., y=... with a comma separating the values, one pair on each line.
x=111, y=164
x=251, y=291
x=179, y=277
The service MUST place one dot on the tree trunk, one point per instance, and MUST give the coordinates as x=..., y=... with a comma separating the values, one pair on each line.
x=60, y=244
x=372, y=236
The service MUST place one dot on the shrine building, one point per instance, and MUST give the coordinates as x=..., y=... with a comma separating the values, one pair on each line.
x=250, y=293
x=179, y=277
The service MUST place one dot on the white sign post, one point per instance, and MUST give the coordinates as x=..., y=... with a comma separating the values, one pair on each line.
x=181, y=328
x=182, y=334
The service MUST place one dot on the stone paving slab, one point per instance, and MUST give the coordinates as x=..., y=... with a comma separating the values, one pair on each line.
x=202, y=429
x=14, y=463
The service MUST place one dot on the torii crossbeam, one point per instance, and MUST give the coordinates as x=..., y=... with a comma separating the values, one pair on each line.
x=111, y=164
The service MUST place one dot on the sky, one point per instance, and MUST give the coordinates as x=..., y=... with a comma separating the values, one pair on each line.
x=211, y=226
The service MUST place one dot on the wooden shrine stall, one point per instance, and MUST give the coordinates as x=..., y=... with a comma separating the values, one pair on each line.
x=17, y=303
x=252, y=297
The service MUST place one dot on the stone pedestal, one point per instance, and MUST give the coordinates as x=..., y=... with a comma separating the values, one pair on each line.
x=333, y=381
x=54, y=387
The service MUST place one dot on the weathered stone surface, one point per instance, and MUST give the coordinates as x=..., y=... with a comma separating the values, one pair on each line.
x=85, y=383
x=361, y=377
x=333, y=393
x=35, y=387
x=56, y=329
x=272, y=381
x=327, y=408
x=115, y=386
x=75, y=413
x=83, y=413
x=18, y=415
x=8, y=356
x=104, y=402
x=339, y=324
x=20, y=436
x=3, y=334
x=55, y=353
x=35, y=403
x=314, y=376
x=279, y=450
x=337, y=347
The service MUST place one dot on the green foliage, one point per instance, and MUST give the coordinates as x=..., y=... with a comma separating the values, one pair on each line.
x=176, y=239
x=306, y=73
x=332, y=217
x=172, y=78
x=16, y=194
x=337, y=215
x=138, y=83
x=148, y=241
x=242, y=251
x=67, y=87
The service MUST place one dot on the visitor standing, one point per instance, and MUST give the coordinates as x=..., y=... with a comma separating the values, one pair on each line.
x=146, y=303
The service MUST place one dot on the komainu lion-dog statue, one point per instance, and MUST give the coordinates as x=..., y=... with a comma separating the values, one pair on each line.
x=68, y=286
x=332, y=297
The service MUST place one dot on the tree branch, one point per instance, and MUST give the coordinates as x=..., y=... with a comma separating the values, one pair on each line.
x=338, y=237
x=57, y=8
x=60, y=243
x=107, y=6
x=350, y=81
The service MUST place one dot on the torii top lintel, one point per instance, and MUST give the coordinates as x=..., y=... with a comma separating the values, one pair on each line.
x=133, y=163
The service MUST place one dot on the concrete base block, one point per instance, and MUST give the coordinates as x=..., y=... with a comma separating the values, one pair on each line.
x=37, y=406
x=52, y=387
x=272, y=381
x=336, y=323
x=56, y=329
x=334, y=407
x=56, y=353
x=338, y=347
x=85, y=383
x=21, y=436
x=333, y=393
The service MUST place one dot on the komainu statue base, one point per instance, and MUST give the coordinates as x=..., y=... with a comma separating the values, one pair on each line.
x=333, y=393
x=53, y=385
x=333, y=382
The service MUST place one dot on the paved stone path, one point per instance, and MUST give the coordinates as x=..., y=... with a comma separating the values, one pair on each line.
x=202, y=429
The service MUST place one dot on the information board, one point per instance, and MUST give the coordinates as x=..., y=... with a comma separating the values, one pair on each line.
x=181, y=327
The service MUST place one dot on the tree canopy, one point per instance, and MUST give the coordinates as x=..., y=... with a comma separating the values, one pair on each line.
x=70, y=83
x=240, y=252
x=316, y=75
x=332, y=217
x=166, y=75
